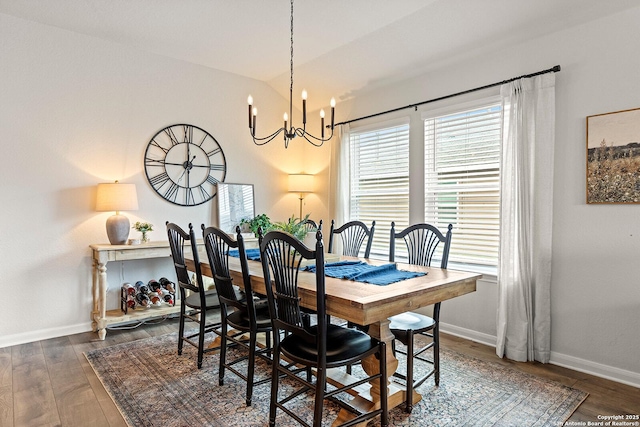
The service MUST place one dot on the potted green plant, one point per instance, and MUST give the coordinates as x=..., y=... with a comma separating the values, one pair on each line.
x=144, y=228
x=259, y=221
x=294, y=226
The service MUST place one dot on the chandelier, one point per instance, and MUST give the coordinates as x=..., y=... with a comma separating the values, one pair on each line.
x=288, y=130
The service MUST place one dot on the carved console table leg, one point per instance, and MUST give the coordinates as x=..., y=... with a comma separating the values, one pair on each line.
x=94, y=293
x=102, y=300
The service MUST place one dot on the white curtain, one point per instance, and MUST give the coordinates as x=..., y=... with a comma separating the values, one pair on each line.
x=340, y=187
x=526, y=189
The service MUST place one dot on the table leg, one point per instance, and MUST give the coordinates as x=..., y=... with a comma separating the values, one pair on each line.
x=371, y=399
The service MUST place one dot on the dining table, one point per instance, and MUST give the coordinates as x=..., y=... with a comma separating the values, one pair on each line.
x=368, y=304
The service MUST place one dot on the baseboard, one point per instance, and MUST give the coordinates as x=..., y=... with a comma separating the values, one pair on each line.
x=43, y=334
x=597, y=369
x=468, y=334
x=570, y=362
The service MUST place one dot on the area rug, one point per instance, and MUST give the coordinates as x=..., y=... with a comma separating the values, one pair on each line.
x=152, y=386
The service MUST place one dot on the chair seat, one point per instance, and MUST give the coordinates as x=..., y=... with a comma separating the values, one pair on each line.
x=240, y=319
x=415, y=322
x=211, y=299
x=343, y=344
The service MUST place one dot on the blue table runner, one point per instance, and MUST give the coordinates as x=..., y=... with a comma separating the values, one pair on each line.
x=360, y=271
x=252, y=254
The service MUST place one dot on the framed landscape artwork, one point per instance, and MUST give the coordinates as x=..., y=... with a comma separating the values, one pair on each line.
x=613, y=157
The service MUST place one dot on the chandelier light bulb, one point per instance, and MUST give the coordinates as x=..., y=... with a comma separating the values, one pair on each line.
x=250, y=101
x=333, y=102
x=285, y=117
x=252, y=123
x=322, y=114
x=304, y=94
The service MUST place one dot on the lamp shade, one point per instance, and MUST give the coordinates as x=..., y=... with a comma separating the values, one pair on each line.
x=301, y=183
x=116, y=197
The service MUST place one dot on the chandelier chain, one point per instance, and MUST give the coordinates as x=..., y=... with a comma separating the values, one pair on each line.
x=291, y=73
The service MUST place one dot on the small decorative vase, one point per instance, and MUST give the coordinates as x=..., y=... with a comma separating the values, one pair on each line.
x=145, y=239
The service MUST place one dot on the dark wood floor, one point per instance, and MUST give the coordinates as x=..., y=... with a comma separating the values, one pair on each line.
x=50, y=383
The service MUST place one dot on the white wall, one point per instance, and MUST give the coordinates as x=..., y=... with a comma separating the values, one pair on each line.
x=596, y=273
x=76, y=111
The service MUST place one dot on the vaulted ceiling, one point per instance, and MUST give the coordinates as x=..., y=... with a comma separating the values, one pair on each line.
x=341, y=47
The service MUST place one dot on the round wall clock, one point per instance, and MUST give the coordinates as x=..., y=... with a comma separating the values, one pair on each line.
x=183, y=164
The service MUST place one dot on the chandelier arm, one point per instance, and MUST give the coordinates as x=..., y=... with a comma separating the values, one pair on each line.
x=267, y=139
x=302, y=133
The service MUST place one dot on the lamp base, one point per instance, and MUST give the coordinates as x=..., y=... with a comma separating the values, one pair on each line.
x=118, y=229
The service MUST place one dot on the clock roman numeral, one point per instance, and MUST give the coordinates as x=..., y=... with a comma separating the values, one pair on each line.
x=172, y=192
x=153, y=162
x=211, y=180
x=217, y=167
x=159, y=180
x=155, y=143
x=204, y=138
x=188, y=197
x=214, y=152
x=203, y=193
x=172, y=136
x=188, y=133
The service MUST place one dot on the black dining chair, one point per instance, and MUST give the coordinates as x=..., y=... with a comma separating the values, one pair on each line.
x=196, y=305
x=241, y=313
x=321, y=346
x=353, y=234
x=421, y=241
x=310, y=225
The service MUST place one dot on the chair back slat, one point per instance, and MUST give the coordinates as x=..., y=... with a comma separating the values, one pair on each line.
x=282, y=256
x=218, y=244
x=177, y=240
x=353, y=235
x=310, y=225
x=421, y=241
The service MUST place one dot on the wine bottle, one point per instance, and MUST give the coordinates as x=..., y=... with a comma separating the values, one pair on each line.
x=153, y=285
x=129, y=289
x=142, y=299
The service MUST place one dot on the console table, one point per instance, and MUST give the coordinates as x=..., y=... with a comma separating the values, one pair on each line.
x=102, y=254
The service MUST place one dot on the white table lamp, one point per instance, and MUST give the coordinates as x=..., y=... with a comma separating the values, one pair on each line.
x=117, y=197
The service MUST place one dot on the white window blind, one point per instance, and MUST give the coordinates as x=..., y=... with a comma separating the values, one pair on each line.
x=462, y=181
x=380, y=181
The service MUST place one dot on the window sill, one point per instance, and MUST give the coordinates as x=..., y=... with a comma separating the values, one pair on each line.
x=489, y=274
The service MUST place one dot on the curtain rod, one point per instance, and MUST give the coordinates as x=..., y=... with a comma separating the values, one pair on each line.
x=550, y=70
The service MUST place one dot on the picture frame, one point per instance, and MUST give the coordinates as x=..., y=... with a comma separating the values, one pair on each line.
x=613, y=157
x=235, y=203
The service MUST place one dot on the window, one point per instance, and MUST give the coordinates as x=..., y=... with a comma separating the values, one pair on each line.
x=462, y=181
x=379, y=176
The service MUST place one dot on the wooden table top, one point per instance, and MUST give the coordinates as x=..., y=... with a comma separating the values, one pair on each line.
x=364, y=303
